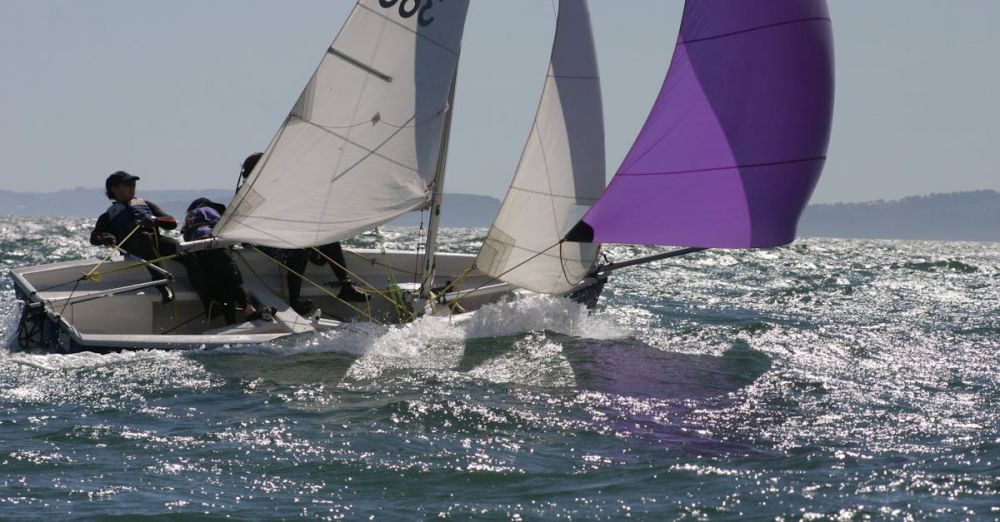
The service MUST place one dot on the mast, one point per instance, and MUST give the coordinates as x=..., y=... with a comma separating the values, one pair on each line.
x=436, y=197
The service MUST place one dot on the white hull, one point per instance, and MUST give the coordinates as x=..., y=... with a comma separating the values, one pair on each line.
x=120, y=311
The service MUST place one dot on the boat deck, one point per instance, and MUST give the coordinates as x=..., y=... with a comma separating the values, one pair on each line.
x=121, y=308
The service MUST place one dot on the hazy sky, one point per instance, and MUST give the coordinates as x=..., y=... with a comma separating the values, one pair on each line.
x=179, y=92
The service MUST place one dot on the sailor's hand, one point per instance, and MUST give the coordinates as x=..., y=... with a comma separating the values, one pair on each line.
x=107, y=239
x=148, y=223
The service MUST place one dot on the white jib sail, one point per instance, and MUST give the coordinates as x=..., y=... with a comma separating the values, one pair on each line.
x=360, y=147
x=561, y=172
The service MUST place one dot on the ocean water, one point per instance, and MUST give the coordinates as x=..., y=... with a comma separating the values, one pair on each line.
x=831, y=379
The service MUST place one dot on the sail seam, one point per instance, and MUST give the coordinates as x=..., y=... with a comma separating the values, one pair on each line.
x=730, y=167
x=540, y=193
x=371, y=152
x=561, y=77
x=752, y=29
x=243, y=222
x=380, y=15
x=304, y=221
x=234, y=208
x=373, y=52
x=536, y=252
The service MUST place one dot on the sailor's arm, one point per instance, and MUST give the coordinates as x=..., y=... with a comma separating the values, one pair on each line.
x=161, y=218
x=102, y=234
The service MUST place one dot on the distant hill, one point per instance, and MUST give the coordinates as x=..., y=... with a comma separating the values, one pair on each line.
x=462, y=210
x=86, y=202
x=957, y=216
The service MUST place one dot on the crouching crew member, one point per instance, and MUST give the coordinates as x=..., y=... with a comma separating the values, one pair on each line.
x=214, y=274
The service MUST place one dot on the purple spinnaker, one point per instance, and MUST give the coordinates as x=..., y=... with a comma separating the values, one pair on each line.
x=737, y=137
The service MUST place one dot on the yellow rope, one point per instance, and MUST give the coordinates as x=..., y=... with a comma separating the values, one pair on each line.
x=396, y=295
x=457, y=280
x=498, y=276
x=259, y=278
x=111, y=253
x=392, y=278
x=321, y=287
x=96, y=277
x=373, y=261
x=370, y=286
x=90, y=274
x=390, y=273
x=454, y=304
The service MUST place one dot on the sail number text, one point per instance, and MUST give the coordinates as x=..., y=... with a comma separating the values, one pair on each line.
x=408, y=8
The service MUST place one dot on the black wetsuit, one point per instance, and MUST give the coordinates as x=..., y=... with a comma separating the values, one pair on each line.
x=297, y=260
x=120, y=219
x=214, y=274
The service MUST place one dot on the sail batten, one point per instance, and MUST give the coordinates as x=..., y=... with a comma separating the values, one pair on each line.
x=737, y=137
x=360, y=65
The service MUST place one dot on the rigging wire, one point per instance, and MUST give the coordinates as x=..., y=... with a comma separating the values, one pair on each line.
x=509, y=270
x=370, y=287
x=394, y=296
x=97, y=276
x=185, y=322
x=112, y=252
x=322, y=288
x=562, y=265
x=420, y=240
x=261, y=279
x=377, y=119
x=98, y=265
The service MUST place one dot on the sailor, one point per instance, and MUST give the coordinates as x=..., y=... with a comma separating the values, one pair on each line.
x=213, y=272
x=297, y=260
x=136, y=222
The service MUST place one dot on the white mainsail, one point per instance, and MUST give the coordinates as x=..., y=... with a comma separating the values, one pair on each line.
x=561, y=172
x=361, y=145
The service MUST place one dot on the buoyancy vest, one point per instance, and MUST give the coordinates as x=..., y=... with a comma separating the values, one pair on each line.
x=198, y=223
x=123, y=218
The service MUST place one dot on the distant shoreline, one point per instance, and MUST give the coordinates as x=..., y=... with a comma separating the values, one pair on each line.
x=464, y=210
x=955, y=216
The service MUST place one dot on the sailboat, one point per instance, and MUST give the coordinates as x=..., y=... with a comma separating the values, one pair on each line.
x=365, y=142
x=728, y=157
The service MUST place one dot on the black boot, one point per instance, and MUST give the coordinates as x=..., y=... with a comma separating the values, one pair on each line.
x=302, y=306
x=264, y=313
x=349, y=293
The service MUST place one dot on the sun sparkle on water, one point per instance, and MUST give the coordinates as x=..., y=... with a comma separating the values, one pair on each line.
x=828, y=379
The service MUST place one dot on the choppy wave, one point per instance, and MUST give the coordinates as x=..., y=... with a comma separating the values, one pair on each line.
x=829, y=379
